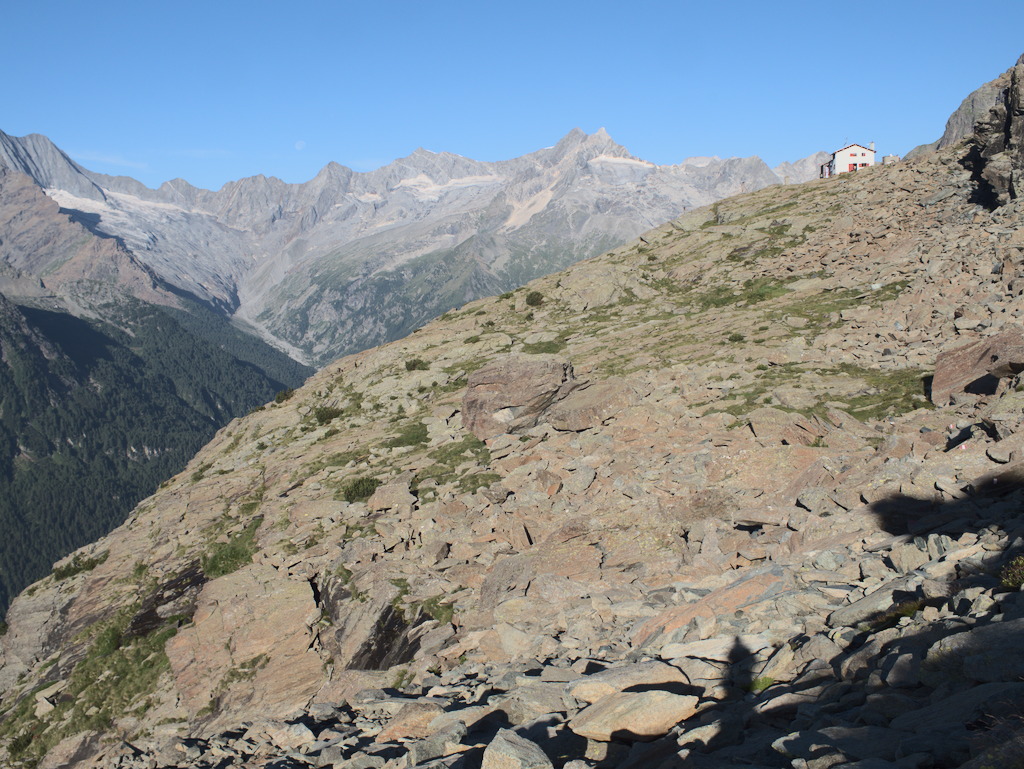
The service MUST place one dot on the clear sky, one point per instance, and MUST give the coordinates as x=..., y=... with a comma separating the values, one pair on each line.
x=216, y=90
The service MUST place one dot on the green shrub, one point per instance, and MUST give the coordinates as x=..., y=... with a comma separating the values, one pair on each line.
x=325, y=414
x=472, y=339
x=761, y=683
x=1012, y=575
x=77, y=565
x=535, y=299
x=359, y=489
x=284, y=395
x=734, y=337
x=416, y=364
x=200, y=472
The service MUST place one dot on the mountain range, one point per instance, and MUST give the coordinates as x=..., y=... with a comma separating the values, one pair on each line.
x=349, y=260
x=174, y=294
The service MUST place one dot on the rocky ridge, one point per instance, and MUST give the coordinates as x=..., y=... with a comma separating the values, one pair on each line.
x=686, y=504
x=349, y=260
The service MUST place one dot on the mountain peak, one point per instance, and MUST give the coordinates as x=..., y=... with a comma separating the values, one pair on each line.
x=39, y=158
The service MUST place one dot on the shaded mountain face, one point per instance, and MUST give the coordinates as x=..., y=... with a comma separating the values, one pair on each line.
x=109, y=382
x=770, y=450
x=349, y=260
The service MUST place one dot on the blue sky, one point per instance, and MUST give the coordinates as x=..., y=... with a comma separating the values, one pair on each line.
x=214, y=91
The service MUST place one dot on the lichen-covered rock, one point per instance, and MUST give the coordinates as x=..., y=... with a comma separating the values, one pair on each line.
x=512, y=393
x=253, y=625
x=977, y=366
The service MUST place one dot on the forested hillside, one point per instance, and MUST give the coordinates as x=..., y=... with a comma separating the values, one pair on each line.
x=93, y=416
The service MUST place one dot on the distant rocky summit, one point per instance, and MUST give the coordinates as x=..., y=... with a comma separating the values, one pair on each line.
x=350, y=260
x=745, y=491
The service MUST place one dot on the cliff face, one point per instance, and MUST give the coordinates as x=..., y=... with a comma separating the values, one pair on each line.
x=997, y=148
x=692, y=491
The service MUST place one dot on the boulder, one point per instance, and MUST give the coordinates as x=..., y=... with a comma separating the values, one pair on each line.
x=591, y=406
x=594, y=687
x=510, y=751
x=392, y=496
x=976, y=367
x=774, y=426
x=639, y=716
x=250, y=642
x=510, y=394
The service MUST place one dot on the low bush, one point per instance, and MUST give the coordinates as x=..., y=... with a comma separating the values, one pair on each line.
x=359, y=489
x=325, y=414
x=1012, y=575
x=77, y=565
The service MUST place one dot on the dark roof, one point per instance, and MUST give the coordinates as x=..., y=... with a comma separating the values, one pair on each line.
x=854, y=145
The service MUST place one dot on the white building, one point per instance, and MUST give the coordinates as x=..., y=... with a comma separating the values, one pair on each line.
x=849, y=158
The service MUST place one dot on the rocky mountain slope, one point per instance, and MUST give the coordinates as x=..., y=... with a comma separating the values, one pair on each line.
x=742, y=492
x=349, y=260
x=109, y=382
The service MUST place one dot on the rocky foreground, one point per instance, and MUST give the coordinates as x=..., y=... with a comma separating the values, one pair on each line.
x=745, y=492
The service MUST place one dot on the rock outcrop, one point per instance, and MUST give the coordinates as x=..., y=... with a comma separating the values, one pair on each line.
x=997, y=146
x=512, y=394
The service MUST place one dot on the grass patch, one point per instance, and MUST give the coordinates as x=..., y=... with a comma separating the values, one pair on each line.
x=760, y=683
x=468, y=484
x=339, y=459
x=414, y=434
x=448, y=457
x=544, y=348
x=888, y=393
x=200, y=472
x=226, y=557
x=438, y=609
x=77, y=565
x=116, y=676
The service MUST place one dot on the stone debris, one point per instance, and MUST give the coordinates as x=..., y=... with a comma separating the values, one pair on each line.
x=721, y=526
